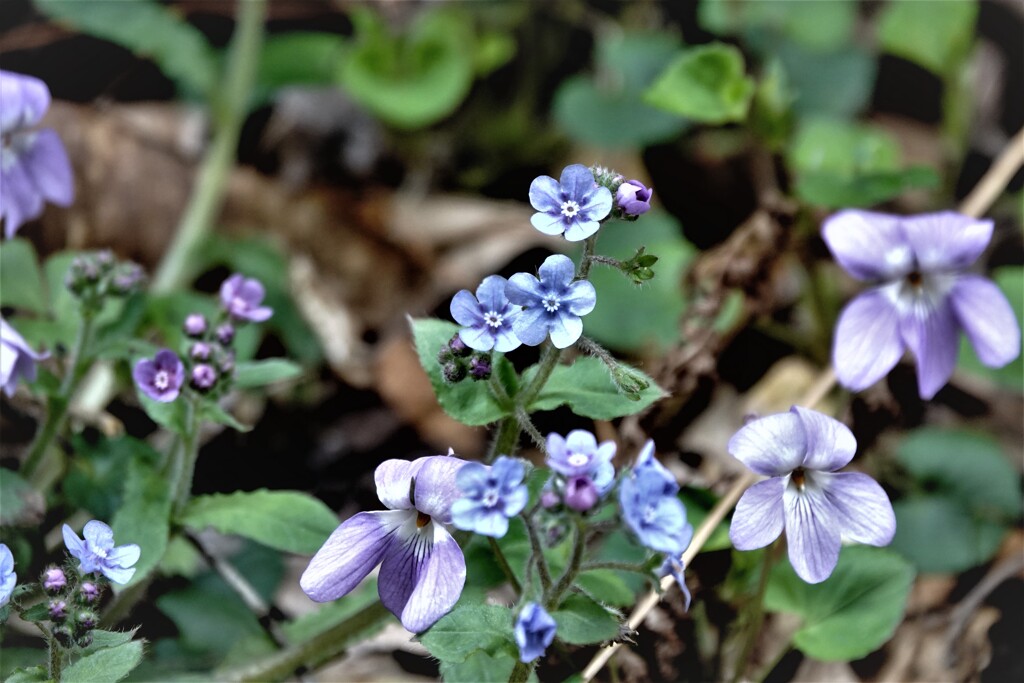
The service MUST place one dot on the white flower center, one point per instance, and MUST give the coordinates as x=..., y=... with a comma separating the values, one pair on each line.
x=491, y=497
x=551, y=303
x=649, y=513
x=578, y=459
x=161, y=380
x=493, y=319
x=570, y=208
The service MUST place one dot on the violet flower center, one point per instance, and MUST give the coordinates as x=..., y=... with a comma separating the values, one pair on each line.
x=161, y=380
x=799, y=479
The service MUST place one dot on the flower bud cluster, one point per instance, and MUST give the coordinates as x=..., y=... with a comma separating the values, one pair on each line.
x=93, y=276
x=459, y=361
x=72, y=605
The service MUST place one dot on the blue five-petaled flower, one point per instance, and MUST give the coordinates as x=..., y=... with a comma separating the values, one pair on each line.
x=422, y=569
x=552, y=304
x=534, y=630
x=650, y=507
x=573, y=206
x=579, y=455
x=8, y=578
x=487, y=317
x=97, y=552
x=491, y=496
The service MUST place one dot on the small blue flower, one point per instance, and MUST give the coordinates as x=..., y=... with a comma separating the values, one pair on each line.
x=675, y=566
x=656, y=518
x=551, y=304
x=491, y=495
x=579, y=455
x=98, y=554
x=645, y=460
x=487, y=317
x=573, y=205
x=534, y=630
x=8, y=578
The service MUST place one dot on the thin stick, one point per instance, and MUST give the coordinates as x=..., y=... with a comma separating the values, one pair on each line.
x=975, y=204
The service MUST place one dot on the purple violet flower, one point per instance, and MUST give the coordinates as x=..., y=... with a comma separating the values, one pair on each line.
x=8, y=579
x=34, y=167
x=534, y=630
x=487, y=317
x=491, y=496
x=161, y=377
x=579, y=455
x=633, y=198
x=573, y=206
x=17, y=359
x=422, y=567
x=241, y=298
x=551, y=304
x=98, y=554
x=800, y=451
x=922, y=299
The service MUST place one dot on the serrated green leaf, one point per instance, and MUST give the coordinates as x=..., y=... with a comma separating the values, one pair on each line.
x=144, y=518
x=263, y=372
x=101, y=639
x=468, y=402
x=582, y=621
x=936, y=35
x=148, y=29
x=21, y=281
x=468, y=629
x=851, y=613
x=109, y=665
x=586, y=388
x=286, y=520
x=706, y=84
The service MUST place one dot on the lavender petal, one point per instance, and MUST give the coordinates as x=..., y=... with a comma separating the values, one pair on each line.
x=946, y=240
x=812, y=532
x=545, y=194
x=46, y=162
x=868, y=245
x=349, y=554
x=864, y=512
x=867, y=341
x=439, y=582
x=772, y=445
x=830, y=443
x=931, y=335
x=987, y=318
x=758, y=519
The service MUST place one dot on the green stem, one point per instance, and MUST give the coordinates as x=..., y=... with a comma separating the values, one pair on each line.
x=211, y=182
x=188, y=454
x=505, y=567
x=58, y=405
x=506, y=440
x=572, y=570
x=588, y=257
x=537, y=553
x=756, y=618
x=56, y=658
x=521, y=672
x=496, y=387
x=526, y=424
x=549, y=358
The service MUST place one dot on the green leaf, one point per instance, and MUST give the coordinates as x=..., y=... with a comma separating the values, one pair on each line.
x=413, y=80
x=608, y=585
x=821, y=26
x=937, y=36
x=836, y=83
x=145, y=516
x=469, y=402
x=631, y=318
x=21, y=282
x=148, y=29
x=1010, y=280
x=20, y=503
x=102, y=640
x=170, y=415
x=582, y=621
x=35, y=674
x=263, y=372
x=286, y=520
x=213, y=412
x=479, y=667
x=111, y=664
x=331, y=614
x=706, y=84
x=468, y=629
x=298, y=58
x=851, y=613
x=586, y=388
x=967, y=541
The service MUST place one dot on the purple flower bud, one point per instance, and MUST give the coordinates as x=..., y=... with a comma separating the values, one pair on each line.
x=161, y=377
x=241, y=298
x=549, y=499
x=58, y=610
x=128, y=279
x=89, y=591
x=480, y=366
x=203, y=377
x=84, y=640
x=458, y=347
x=200, y=351
x=633, y=198
x=581, y=494
x=195, y=325
x=453, y=372
x=87, y=620
x=105, y=260
x=54, y=579
x=64, y=635
x=225, y=333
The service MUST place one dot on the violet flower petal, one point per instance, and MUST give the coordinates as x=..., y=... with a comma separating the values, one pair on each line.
x=864, y=512
x=546, y=195
x=758, y=519
x=465, y=309
x=812, y=532
x=393, y=479
x=988, y=319
x=565, y=330
x=46, y=163
x=931, y=335
x=26, y=99
x=830, y=443
x=867, y=341
x=439, y=580
x=350, y=554
x=868, y=245
x=547, y=223
x=581, y=297
x=436, y=487
x=946, y=240
x=772, y=445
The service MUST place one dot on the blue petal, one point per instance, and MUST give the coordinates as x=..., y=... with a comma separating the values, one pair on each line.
x=545, y=194
x=580, y=298
x=99, y=535
x=565, y=329
x=557, y=271
x=577, y=181
x=531, y=326
x=597, y=204
x=548, y=223
x=465, y=309
x=478, y=338
x=524, y=289
x=581, y=229
x=505, y=339
x=473, y=477
x=491, y=294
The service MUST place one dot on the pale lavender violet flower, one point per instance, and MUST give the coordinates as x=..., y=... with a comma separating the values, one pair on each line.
x=534, y=630
x=579, y=455
x=422, y=569
x=34, y=167
x=633, y=198
x=817, y=506
x=97, y=552
x=17, y=359
x=8, y=579
x=161, y=377
x=551, y=304
x=922, y=299
x=241, y=298
x=573, y=206
x=491, y=496
x=487, y=317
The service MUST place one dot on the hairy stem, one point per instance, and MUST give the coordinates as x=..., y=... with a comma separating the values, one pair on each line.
x=188, y=454
x=505, y=566
x=588, y=257
x=537, y=555
x=56, y=658
x=578, y=545
x=526, y=424
x=506, y=440
x=549, y=358
x=521, y=672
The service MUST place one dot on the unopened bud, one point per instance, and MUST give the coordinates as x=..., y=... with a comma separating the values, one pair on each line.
x=89, y=592
x=200, y=351
x=225, y=334
x=195, y=325
x=58, y=610
x=53, y=579
x=630, y=382
x=480, y=366
x=581, y=494
x=86, y=620
x=203, y=377
x=63, y=635
x=453, y=372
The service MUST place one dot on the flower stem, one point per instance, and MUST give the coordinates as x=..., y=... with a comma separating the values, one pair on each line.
x=521, y=672
x=537, y=553
x=526, y=424
x=549, y=358
x=211, y=182
x=505, y=567
x=588, y=257
x=505, y=440
x=188, y=454
x=56, y=658
x=579, y=543
x=756, y=612
x=58, y=405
